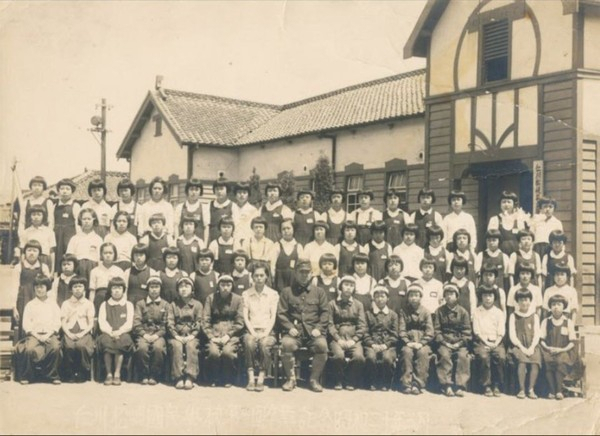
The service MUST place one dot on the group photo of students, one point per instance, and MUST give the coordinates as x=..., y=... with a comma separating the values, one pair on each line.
x=211, y=293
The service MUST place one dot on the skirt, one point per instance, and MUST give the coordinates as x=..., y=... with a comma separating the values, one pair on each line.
x=121, y=345
x=520, y=357
x=85, y=267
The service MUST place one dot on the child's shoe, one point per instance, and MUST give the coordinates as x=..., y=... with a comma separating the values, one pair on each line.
x=551, y=396
x=251, y=386
x=497, y=392
x=415, y=390
x=260, y=386
x=108, y=380
x=144, y=381
x=560, y=396
x=117, y=381
x=372, y=388
x=448, y=391
x=349, y=387
x=152, y=382
x=188, y=384
x=180, y=384
x=459, y=393
x=56, y=381
x=338, y=387
x=289, y=385
x=521, y=395
x=488, y=392
x=532, y=395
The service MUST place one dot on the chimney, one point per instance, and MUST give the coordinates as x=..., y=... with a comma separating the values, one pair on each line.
x=158, y=87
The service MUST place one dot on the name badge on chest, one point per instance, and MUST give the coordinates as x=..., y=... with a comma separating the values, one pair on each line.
x=515, y=231
x=332, y=289
x=310, y=220
x=123, y=315
x=241, y=286
x=384, y=256
x=275, y=215
x=65, y=215
x=143, y=286
x=292, y=263
x=211, y=283
x=564, y=331
x=428, y=224
x=396, y=221
x=194, y=249
x=228, y=251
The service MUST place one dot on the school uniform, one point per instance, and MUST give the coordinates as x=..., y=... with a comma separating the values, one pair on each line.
x=188, y=252
x=169, y=278
x=549, y=263
x=433, y=294
x=345, y=253
x=216, y=212
x=60, y=291
x=205, y=284
x=304, y=223
x=275, y=213
x=152, y=207
x=382, y=329
x=425, y=219
x=305, y=309
x=397, y=298
x=136, y=282
x=364, y=288
x=328, y=284
x=25, y=216
x=499, y=296
x=156, y=245
x=453, y=326
x=520, y=256
x=567, y=291
x=415, y=325
x=524, y=329
x=23, y=277
x=132, y=210
x=379, y=253
x=39, y=316
x=184, y=318
x=150, y=318
x=115, y=316
x=221, y=316
x=364, y=218
x=456, y=221
x=124, y=243
x=77, y=315
x=542, y=227
x=536, y=302
x=558, y=333
x=335, y=220
x=224, y=251
x=469, y=256
x=99, y=278
x=467, y=298
x=347, y=321
x=198, y=211
x=105, y=214
x=261, y=250
x=509, y=226
x=395, y=222
x=489, y=325
x=246, y=214
x=65, y=227
x=45, y=236
x=260, y=311
x=313, y=252
x=288, y=253
x=242, y=281
x=499, y=260
x=439, y=256
x=411, y=256
x=86, y=248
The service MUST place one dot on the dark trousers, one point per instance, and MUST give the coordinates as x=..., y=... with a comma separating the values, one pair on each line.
x=445, y=366
x=355, y=366
x=415, y=366
x=318, y=348
x=222, y=357
x=490, y=364
x=149, y=357
x=38, y=358
x=257, y=352
x=381, y=363
x=184, y=358
x=77, y=357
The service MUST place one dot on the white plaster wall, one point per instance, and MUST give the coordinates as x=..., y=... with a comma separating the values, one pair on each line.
x=591, y=47
x=556, y=34
x=591, y=109
x=207, y=162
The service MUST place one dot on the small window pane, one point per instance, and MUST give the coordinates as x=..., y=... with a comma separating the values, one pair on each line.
x=397, y=180
x=354, y=183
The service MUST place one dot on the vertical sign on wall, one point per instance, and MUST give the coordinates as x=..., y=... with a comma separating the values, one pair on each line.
x=538, y=181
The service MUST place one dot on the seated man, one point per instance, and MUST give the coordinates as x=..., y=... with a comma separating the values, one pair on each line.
x=303, y=316
x=41, y=347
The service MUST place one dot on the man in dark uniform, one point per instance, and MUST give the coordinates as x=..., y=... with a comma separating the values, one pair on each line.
x=303, y=318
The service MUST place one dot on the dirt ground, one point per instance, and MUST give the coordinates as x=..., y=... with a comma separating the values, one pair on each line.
x=92, y=408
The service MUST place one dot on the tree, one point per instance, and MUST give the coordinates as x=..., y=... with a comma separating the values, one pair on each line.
x=288, y=188
x=322, y=175
x=256, y=195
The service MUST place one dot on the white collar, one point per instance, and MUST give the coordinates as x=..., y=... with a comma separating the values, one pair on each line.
x=222, y=241
x=121, y=302
x=272, y=206
x=244, y=273
x=78, y=301
x=150, y=301
x=494, y=254
x=288, y=243
x=349, y=246
x=171, y=272
x=425, y=212
x=557, y=256
x=65, y=278
x=189, y=205
x=378, y=245
x=460, y=282
x=221, y=205
x=376, y=309
x=188, y=241
x=68, y=202
x=529, y=312
x=435, y=250
x=526, y=254
x=304, y=212
x=393, y=214
x=162, y=235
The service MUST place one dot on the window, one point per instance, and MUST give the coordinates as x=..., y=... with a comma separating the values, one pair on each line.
x=353, y=185
x=157, y=125
x=398, y=181
x=495, y=52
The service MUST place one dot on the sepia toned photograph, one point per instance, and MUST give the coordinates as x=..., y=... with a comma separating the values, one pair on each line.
x=300, y=217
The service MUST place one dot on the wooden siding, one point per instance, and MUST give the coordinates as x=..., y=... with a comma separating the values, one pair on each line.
x=439, y=138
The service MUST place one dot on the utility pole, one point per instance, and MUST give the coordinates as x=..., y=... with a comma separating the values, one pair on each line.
x=99, y=123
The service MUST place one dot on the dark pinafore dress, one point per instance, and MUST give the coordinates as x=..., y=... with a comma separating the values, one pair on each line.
x=423, y=221
x=284, y=267
x=498, y=263
x=440, y=263
x=44, y=205
x=464, y=295
x=116, y=316
x=136, y=287
x=509, y=243
x=303, y=227
x=330, y=289
x=63, y=293
x=345, y=261
x=395, y=225
x=241, y=283
x=26, y=292
x=224, y=261
x=551, y=267
x=524, y=328
x=155, y=251
x=363, y=233
x=398, y=299
x=64, y=229
x=216, y=213
x=168, y=291
x=334, y=234
x=188, y=255
x=377, y=259
x=558, y=336
x=274, y=220
x=132, y=228
x=204, y=285
x=198, y=218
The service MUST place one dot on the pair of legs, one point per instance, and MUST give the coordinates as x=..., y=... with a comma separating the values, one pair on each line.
x=555, y=374
x=445, y=366
x=220, y=361
x=34, y=357
x=534, y=370
x=382, y=363
x=184, y=362
x=355, y=366
x=491, y=367
x=257, y=353
x=77, y=357
x=149, y=358
x=415, y=368
x=113, y=376
x=316, y=346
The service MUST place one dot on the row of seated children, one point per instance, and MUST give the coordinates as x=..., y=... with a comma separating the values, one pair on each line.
x=219, y=324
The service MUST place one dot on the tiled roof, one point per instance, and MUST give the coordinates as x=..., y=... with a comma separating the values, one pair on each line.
x=199, y=119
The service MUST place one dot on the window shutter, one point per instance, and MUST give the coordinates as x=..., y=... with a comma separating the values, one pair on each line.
x=495, y=51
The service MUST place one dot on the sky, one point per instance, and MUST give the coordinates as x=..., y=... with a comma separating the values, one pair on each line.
x=59, y=59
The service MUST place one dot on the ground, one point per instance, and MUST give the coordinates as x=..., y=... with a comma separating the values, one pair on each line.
x=92, y=408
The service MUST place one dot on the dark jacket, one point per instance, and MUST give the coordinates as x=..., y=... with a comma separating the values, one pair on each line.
x=452, y=325
x=346, y=320
x=382, y=328
x=223, y=316
x=150, y=318
x=184, y=318
x=303, y=308
x=416, y=325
